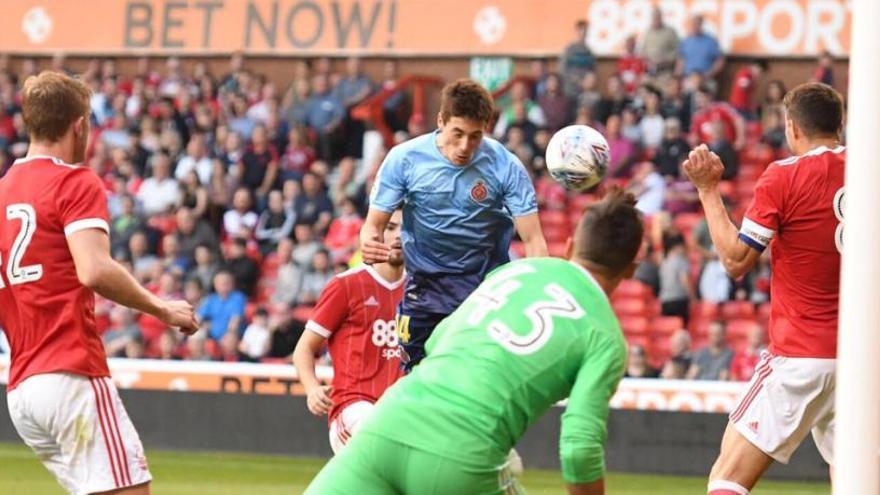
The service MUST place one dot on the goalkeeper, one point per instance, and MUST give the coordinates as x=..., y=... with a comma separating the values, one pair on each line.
x=536, y=331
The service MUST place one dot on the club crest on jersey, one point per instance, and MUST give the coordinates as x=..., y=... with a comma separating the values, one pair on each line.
x=479, y=191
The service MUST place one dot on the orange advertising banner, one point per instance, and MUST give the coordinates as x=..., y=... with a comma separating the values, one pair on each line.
x=778, y=28
x=279, y=379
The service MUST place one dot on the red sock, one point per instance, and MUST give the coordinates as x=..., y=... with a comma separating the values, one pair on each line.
x=723, y=487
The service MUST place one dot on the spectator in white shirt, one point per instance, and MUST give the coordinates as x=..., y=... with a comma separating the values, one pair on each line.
x=196, y=158
x=649, y=188
x=240, y=221
x=255, y=342
x=159, y=193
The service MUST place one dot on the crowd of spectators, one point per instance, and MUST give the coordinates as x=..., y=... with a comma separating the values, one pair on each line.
x=245, y=198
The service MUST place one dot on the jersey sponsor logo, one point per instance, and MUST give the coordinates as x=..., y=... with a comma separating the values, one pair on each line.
x=385, y=337
x=753, y=426
x=371, y=301
x=479, y=191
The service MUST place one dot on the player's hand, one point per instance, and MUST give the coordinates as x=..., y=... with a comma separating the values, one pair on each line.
x=703, y=168
x=319, y=400
x=375, y=252
x=180, y=314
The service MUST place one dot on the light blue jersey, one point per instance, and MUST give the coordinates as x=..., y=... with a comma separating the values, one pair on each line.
x=456, y=219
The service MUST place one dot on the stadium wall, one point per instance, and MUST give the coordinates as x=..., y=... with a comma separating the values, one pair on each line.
x=638, y=441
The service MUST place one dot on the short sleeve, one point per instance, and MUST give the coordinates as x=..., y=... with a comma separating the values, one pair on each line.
x=331, y=310
x=519, y=191
x=390, y=187
x=764, y=214
x=82, y=202
x=584, y=430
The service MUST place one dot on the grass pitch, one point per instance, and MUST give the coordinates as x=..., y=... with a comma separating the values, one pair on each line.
x=198, y=473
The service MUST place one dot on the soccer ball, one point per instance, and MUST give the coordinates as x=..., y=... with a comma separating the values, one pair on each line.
x=577, y=157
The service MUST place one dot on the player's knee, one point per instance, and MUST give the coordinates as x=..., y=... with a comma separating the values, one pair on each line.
x=724, y=487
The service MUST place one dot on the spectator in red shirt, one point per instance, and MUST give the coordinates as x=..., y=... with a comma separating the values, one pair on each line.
x=299, y=156
x=708, y=111
x=743, y=91
x=745, y=360
x=824, y=73
x=555, y=104
x=342, y=236
x=631, y=67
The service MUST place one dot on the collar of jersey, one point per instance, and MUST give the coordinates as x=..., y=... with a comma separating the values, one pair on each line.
x=385, y=283
x=54, y=160
x=591, y=278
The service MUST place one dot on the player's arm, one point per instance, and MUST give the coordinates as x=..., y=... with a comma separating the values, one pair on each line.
x=529, y=229
x=318, y=397
x=582, y=440
x=98, y=271
x=373, y=247
x=522, y=203
x=387, y=195
x=329, y=314
x=704, y=169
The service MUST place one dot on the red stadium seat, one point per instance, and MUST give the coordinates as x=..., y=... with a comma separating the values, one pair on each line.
x=631, y=306
x=556, y=233
x=764, y=312
x=704, y=310
x=578, y=202
x=302, y=313
x=556, y=249
x=632, y=288
x=553, y=218
x=738, y=330
x=665, y=326
x=518, y=248
x=686, y=222
x=737, y=310
x=635, y=325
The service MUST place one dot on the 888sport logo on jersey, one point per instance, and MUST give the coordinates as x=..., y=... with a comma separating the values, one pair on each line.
x=385, y=337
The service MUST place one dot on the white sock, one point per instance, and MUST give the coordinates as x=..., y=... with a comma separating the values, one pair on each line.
x=727, y=485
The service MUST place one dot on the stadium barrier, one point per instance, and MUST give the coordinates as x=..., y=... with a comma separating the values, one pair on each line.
x=656, y=426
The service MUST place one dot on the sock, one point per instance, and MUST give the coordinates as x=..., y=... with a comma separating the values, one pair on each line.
x=722, y=487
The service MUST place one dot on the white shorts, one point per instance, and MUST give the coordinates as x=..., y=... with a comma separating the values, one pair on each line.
x=788, y=398
x=79, y=429
x=348, y=422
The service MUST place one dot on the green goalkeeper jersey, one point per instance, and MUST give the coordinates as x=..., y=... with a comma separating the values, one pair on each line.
x=535, y=332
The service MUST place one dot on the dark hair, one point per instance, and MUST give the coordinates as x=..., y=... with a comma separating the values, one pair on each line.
x=762, y=63
x=51, y=102
x=610, y=232
x=582, y=24
x=816, y=108
x=466, y=98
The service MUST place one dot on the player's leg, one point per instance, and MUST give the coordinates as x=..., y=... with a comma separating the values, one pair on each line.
x=77, y=426
x=426, y=473
x=785, y=399
x=362, y=467
x=348, y=422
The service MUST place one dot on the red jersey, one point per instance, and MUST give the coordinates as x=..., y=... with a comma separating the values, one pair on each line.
x=701, y=124
x=798, y=205
x=743, y=89
x=630, y=68
x=356, y=312
x=48, y=316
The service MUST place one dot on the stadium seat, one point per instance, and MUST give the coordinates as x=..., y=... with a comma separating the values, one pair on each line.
x=737, y=310
x=302, y=313
x=704, y=310
x=764, y=312
x=686, y=222
x=556, y=249
x=632, y=288
x=556, y=233
x=630, y=306
x=663, y=326
x=553, y=218
x=738, y=330
x=635, y=325
x=518, y=248
x=580, y=201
